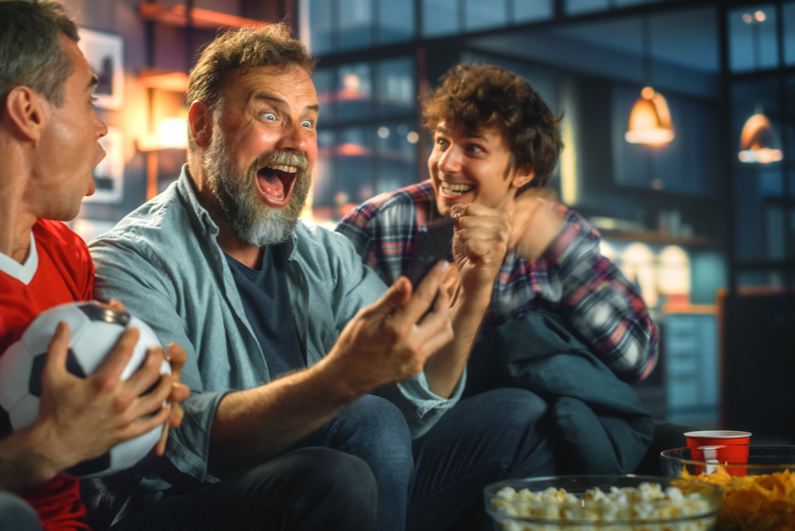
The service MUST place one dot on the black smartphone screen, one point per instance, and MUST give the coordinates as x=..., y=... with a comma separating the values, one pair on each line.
x=433, y=245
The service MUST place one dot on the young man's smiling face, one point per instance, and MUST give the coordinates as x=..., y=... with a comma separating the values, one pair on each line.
x=473, y=167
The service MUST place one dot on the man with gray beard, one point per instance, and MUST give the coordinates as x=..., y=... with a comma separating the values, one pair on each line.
x=293, y=344
x=253, y=222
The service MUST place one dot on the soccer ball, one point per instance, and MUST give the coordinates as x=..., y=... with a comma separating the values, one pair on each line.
x=95, y=329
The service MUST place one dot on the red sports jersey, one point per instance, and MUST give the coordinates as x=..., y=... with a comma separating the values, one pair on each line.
x=60, y=270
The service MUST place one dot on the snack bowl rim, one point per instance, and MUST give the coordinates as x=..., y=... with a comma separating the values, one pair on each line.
x=490, y=490
x=665, y=455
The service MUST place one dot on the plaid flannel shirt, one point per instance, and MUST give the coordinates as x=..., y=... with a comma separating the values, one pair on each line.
x=571, y=277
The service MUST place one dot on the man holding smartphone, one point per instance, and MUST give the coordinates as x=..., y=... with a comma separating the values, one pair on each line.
x=293, y=344
x=495, y=145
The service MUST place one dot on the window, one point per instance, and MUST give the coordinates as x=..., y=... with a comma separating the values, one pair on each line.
x=531, y=10
x=368, y=138
x=395, y=21
x=753, y=38
x=439, y=17
x=355, y=24
x=483, y=15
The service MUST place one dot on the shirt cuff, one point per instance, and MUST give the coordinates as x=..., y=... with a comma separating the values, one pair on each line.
x=188, y=446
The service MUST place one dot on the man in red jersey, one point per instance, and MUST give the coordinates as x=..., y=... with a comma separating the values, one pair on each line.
x=49, y=136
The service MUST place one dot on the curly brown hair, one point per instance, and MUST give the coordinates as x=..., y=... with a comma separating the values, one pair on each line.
x=232, y=53
x=485, y=96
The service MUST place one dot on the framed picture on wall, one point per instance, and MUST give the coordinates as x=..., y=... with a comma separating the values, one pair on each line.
x=105, y=54
x=109, y=174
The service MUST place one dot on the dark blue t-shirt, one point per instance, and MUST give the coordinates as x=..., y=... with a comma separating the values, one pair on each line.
x=266, y=299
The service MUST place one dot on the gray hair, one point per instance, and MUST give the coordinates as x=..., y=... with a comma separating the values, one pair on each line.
x=234, y=53
x=31, y=54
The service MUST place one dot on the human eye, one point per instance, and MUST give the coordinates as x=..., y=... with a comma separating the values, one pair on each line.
x=307, y=123
x=441, y=142
x=269, y=116
x=474, y=148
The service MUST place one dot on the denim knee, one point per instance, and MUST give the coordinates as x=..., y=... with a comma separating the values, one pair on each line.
x=512, y=406
x=16, y=514
x=327, y=488
x=374, y=423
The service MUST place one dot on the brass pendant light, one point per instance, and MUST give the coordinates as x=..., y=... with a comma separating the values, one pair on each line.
x=650, y=120
x=758, y=142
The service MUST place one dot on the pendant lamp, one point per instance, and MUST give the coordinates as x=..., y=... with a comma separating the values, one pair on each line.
x=650, y=119
x=758, y=142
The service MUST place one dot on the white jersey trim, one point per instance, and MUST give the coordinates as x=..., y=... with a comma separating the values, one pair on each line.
x=22, y=272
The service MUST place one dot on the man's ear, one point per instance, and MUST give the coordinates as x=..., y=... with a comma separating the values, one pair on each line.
x=24, y=108
x=524, y=174
x=201, y=124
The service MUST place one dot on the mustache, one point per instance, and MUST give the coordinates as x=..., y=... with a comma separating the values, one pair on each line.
x=299, y=160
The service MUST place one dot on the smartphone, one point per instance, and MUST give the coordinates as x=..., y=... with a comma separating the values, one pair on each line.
x=433, y=245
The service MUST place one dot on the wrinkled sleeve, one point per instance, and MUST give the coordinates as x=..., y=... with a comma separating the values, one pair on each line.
x=361, y=287
x=600, y=303
x=129, y=273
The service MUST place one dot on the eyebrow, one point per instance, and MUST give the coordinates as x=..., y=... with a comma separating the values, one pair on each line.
x=478, y=134
x=273, y=97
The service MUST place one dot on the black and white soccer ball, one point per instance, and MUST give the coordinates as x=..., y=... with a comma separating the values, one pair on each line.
x=95, y=328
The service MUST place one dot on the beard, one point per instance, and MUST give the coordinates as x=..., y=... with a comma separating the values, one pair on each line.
x=254, y=222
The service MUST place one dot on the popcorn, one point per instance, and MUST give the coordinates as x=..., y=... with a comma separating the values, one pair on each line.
x=644, y=508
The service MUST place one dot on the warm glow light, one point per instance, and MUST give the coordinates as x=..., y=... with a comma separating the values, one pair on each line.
x=674, y=274
x=760, y=16
x=650, y=120
x=352, y=150
x=351, y=89
x=568, y=164
x=607, y=250
x=638, y=266
x=172, y=133
x=412, y=137
x=748, y=18
x=758, y=141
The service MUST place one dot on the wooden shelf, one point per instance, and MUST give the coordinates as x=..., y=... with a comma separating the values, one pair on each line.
x=200, y=18
x=653, y=236
x=163, y=80
x=672, y=307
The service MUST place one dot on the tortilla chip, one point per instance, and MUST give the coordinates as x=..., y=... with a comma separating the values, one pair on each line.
x=753, y=503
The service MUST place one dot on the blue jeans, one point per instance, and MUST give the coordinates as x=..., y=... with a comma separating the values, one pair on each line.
x=310, y=489
x=16, y=514
x=436, y=482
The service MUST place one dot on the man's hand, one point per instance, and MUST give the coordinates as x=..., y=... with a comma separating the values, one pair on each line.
x=81, y=419
x=176, y=357
x=479, y=244
x=391, y=339
x=537, y=220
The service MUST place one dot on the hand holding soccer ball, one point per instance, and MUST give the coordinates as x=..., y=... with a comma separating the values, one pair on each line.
x=95, y=392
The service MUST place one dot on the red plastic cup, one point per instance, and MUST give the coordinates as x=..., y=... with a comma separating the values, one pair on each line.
x=720, y=447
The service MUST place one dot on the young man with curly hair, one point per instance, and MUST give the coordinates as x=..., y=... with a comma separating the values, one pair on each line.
x=495, y=145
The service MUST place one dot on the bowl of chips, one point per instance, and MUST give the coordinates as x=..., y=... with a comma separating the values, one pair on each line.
x=758, y=495
x=602, y=503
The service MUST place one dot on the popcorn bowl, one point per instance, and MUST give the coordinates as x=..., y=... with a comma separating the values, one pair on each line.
x=757, y=496
x=602, y=503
